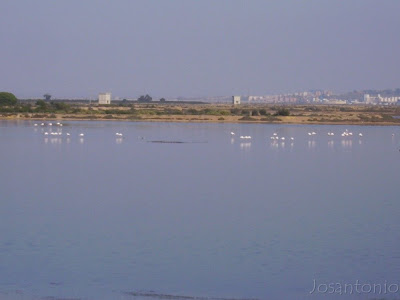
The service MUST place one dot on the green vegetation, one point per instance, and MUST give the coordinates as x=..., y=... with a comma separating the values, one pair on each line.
x=53, y=107
x=282, y=112
x=41, y=106
x=7, y=99
x=146, y=98
x=47, y=97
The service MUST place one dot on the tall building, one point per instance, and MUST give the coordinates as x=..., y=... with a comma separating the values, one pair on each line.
x=235, y=100
x=105, y=98
x=368, y=99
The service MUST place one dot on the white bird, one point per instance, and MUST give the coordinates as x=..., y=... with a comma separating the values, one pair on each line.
x=309, y=133
x=275, y=133
x=81, y=134
x=232, y=133
x=42, y=124
x=360, y=134
x=50, y=124
x=292, y=138
x=46, y=133
x=68, y=134
x=313, y=133
x=35, y=124
x=282, y=138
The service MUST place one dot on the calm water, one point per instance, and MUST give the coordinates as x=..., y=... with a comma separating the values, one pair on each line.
x=100, y=217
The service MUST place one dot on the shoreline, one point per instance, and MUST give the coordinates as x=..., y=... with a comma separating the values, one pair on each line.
x=362, y=115
x=181, y=119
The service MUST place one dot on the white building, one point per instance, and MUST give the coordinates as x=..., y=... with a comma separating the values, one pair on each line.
x=235, y=100
x=105, y=98
x=368, y=99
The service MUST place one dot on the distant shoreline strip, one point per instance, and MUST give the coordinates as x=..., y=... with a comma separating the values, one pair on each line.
x=180, y=297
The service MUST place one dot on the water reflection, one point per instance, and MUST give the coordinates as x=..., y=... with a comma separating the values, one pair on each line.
x=245, y=146
x=280, y=144
x=274, y=145
x=347, y=144
x=55, y=141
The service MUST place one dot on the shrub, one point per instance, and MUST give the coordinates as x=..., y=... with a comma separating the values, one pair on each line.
x=247, y=118
x=7, y=99
x=282, y=112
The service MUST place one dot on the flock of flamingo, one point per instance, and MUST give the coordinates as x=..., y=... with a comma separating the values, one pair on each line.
x=311, y=133
x=274, y=137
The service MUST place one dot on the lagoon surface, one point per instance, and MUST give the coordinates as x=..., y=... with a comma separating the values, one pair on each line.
x=211, y=217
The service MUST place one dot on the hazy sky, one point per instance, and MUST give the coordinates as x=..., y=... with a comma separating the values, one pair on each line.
x=77, y=48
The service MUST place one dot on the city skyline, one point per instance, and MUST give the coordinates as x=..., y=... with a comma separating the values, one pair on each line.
x=197, y=49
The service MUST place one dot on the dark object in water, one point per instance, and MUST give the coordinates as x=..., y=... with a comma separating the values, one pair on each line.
x=166, y=142
x=56, y=298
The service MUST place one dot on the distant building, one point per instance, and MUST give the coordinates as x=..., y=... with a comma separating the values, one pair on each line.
x=368, y=99
x=235, y=100
x=104, y=98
